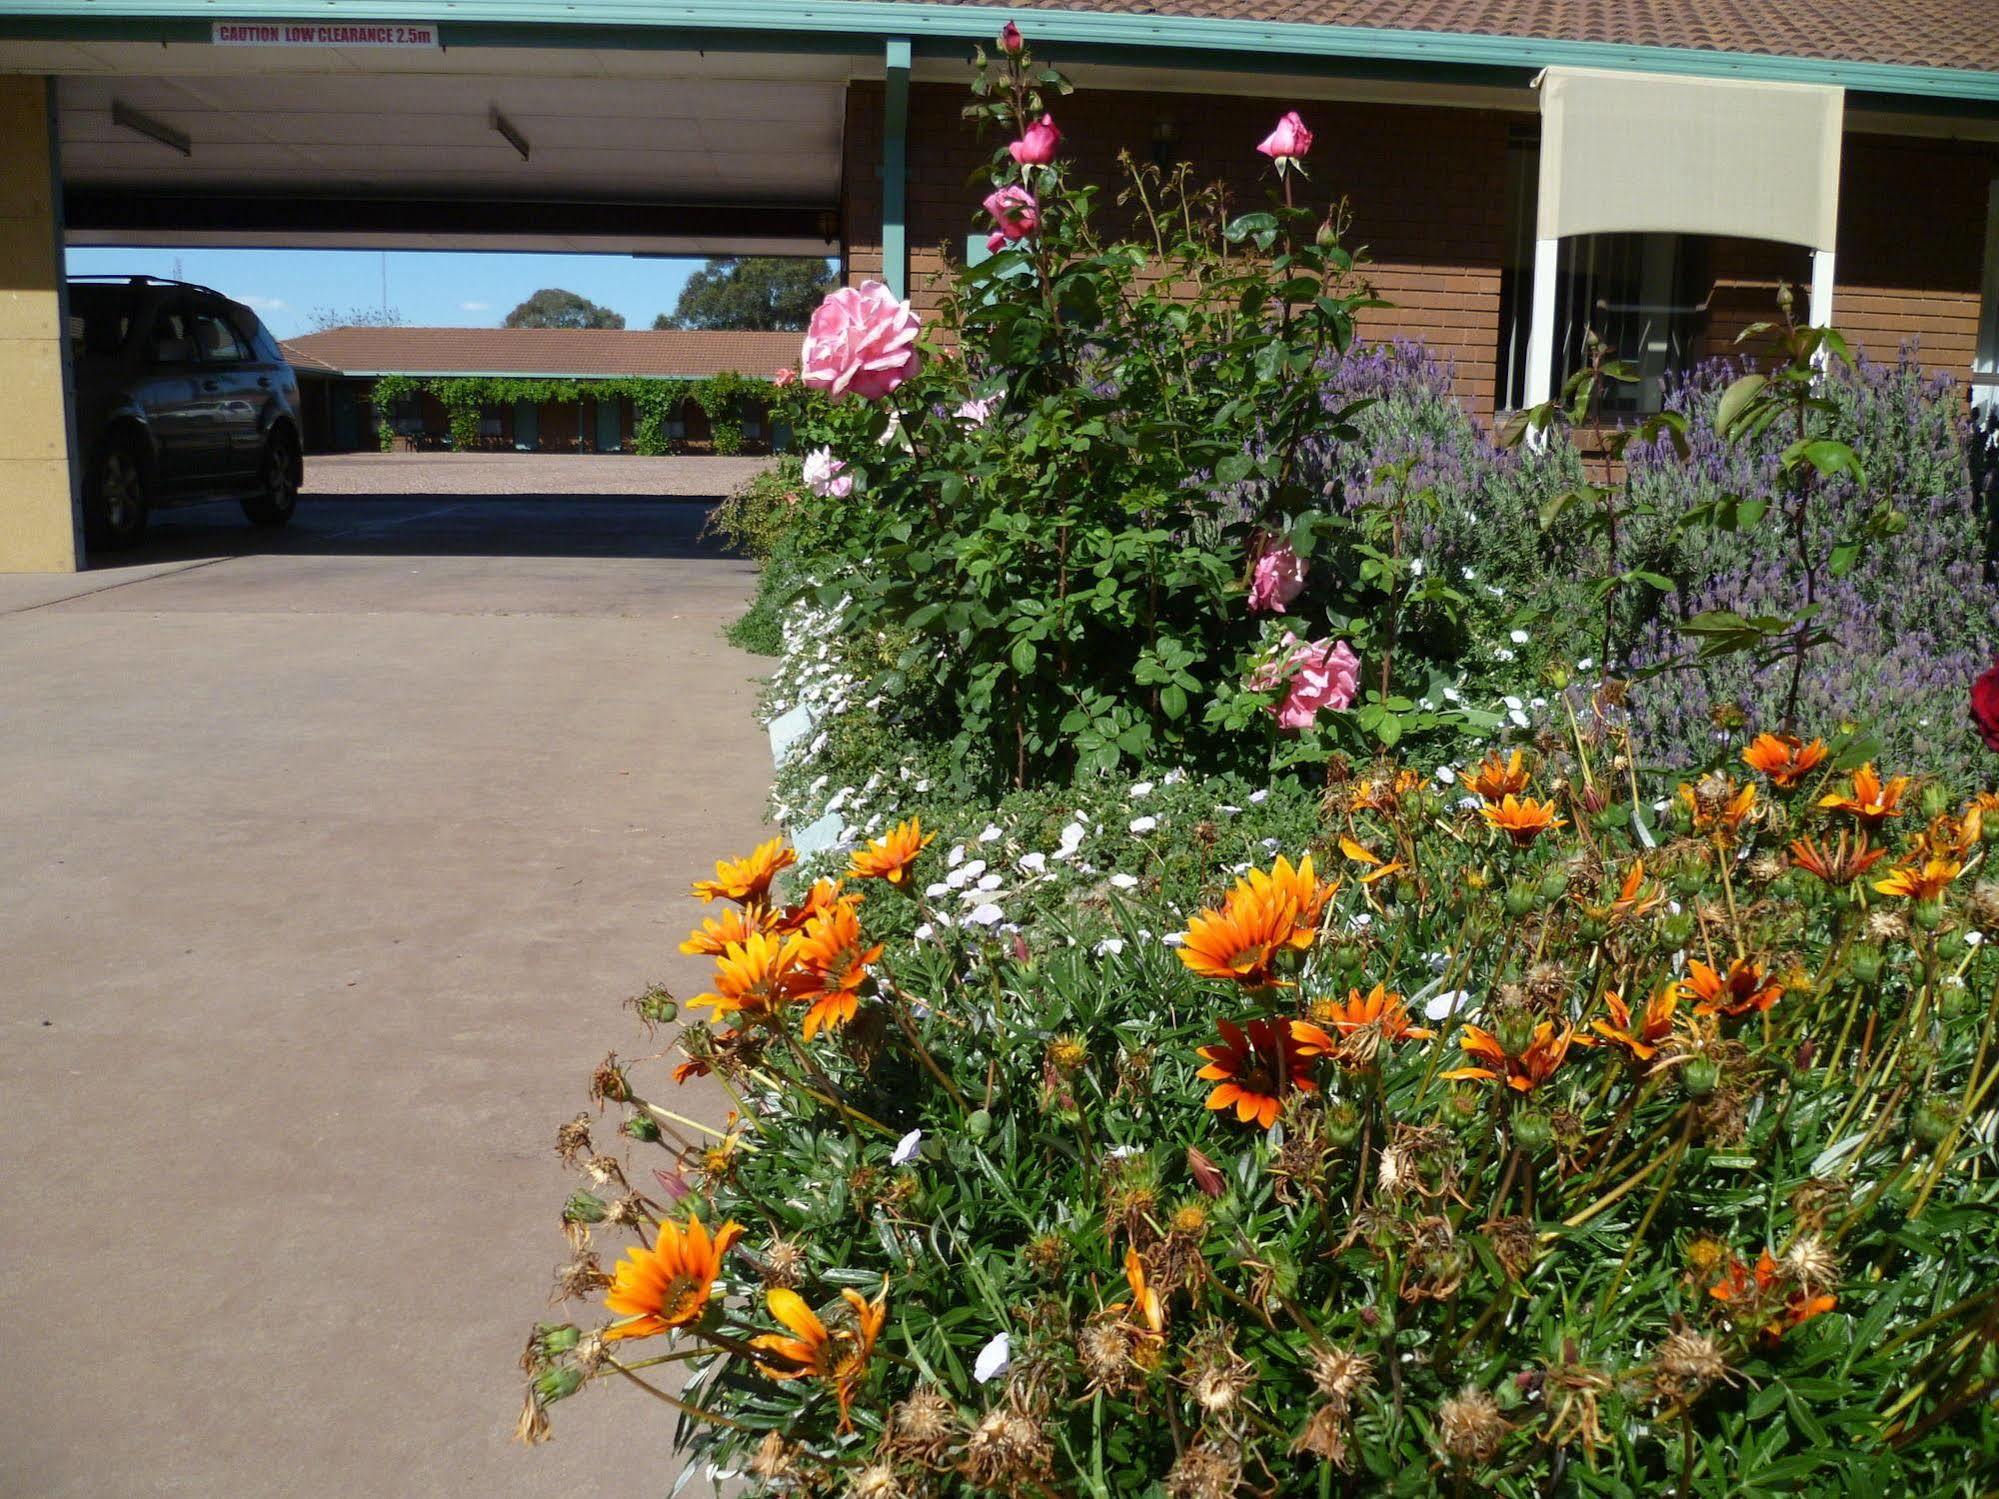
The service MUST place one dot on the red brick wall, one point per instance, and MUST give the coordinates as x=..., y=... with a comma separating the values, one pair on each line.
x=1426, y=187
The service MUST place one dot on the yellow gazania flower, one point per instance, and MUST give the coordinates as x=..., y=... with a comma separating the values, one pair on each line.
x=1522, y=819
x=747, y=880
x=1744, y=987
x=1653, y=1027
x=1300, y=886
x=1870, y=799
x=1379, y=1009
x=1737, y=803
x=1242, y=941
x=832, y=961
x=737, y=924
x=667, y=1285
x=1144, y=1301
x=1524, y=1073
x=839, y=1357
x=1926, y=883
x=890, y=856
x=1784, y=759
x=756, y=977
x=1949, y=837
x=1494, y=781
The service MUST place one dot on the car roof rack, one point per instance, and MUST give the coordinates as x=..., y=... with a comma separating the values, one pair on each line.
x=151, y=281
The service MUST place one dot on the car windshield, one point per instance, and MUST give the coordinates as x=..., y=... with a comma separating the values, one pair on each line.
x=100, y=319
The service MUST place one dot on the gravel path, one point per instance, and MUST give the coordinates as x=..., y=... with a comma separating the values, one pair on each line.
x=525, y=473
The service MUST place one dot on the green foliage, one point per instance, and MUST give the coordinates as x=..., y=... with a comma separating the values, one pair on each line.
x=656, y=400
x=771, y=293
x=553, y=307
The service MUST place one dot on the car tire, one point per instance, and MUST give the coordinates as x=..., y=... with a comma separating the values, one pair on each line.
x=116, y=498
x=277, y=494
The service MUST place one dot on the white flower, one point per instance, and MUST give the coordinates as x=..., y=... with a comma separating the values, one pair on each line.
x=1140, y=788
x=1172, y=939
x=1034, y=863
x=824, y=476
x=992, y=1360
x=986, y=915
x=1446, y=1004
x=1226, y=810
x=1586, y=663
x=1110, y=946
x=1122, y=1152
x=906, y=1148
x=1144, y=824
x=1519, y=718
x=990, y=882
x=956, y=857
x=1260, y=796
x=990, y=834
x=1518, y=637
x=1416, y=567
x=1973, y=939
x=1452, y=695
x=1502, y=654
x=1446, y=774
x=925, y=932
x=1175, y=776
x=1469, y=804
x=974, y=413
x=1124, y=881
x=937, y=891
x=1511, y=702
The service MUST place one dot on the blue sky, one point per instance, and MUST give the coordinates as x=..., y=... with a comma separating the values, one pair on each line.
x=429, y=288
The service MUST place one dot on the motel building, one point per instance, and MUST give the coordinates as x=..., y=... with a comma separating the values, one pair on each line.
x=1516, y=169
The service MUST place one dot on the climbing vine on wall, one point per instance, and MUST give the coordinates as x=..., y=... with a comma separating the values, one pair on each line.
x=727, y=399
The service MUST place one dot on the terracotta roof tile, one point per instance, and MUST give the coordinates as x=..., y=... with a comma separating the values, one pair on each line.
x=1918, y=33
x=557, y=352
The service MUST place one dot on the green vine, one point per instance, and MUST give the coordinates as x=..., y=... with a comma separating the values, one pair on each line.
x=727, y=399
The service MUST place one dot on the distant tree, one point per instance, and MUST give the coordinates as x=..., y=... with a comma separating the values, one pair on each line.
x=323, y=318
x=552, y=307
x=757, y=293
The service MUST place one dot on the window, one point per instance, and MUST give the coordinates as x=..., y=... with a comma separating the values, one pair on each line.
x=216, y=340
x=170, y=341
x=1645, y=295
x=1985, y=366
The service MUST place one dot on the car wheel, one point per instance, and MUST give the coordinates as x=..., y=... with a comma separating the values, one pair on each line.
x=277, y=494
x=115, y=500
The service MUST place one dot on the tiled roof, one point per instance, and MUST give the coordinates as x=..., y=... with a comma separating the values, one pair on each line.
x=1916, y=33
x=583, y=353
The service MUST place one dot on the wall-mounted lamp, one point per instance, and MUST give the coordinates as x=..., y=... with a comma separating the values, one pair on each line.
x=127, y=118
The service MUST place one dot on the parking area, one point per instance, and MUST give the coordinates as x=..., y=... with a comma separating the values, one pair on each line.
x=329, y=858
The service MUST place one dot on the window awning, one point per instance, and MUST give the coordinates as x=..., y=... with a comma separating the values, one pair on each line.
x=1640, y=153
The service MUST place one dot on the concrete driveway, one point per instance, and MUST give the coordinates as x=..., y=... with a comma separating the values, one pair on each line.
x=327, y=863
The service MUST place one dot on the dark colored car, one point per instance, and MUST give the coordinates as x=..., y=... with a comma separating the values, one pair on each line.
x=181, y=396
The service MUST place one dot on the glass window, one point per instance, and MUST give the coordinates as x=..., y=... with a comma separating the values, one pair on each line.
x=216, y=340
x=170, y=342
x=1645, y=296
x=100, y=320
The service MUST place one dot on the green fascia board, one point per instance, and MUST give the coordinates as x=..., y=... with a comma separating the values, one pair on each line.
x=1214, y=43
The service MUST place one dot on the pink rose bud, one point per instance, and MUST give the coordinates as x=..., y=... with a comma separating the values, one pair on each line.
x=1009, y=39
x=1289, y=141
x=1277, y=578
x=784, y=377
x=1014, y=211
x=861, y=341
x=995, y=242
x=1037, y=143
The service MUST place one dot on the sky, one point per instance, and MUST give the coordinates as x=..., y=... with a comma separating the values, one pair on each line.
x=429, y=288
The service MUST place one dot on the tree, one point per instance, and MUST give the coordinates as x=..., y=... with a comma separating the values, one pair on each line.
x=552, y=307
x=756, y=293
x=323, y=318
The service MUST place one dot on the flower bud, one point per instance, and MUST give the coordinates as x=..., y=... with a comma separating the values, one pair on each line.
x=1554, y=885
x=1936, y=801
x=1514, y=1032
x=1010, y=40
x=1700, y=1077
x=1954, y=1003
x=1866, y=963
x=1932, y=1121
x=558, y=1383
x=1342, y=1124
x=1519, y=899
x=1533, y=1131
x=979, y=1124
x=1592, y=929
x=583, y=1207
x=1327, y=237
x=552, y=1338
x=1406, y=892
x=1676, y=931
x=1928, y=914
x=642, y=1127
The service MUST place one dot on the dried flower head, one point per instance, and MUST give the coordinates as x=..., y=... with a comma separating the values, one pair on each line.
x=783, y=1264
x=572, y=1140
x=1104, y=1348
x=775, y=1461
x=578, y=1280
x=1812, y=1263
x=1687, y=1363
x=1205, y=1472
x=1006, y=1450
x=1470, y=1427
x=1046, y=1254
x=924, y=1427
x=877, y=1481
x=1216, y=1375
x=1324, y=1436
x=1340, y=1373
x=1515, y=1244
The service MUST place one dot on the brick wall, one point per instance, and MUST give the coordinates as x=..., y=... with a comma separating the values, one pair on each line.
x=1426, y=187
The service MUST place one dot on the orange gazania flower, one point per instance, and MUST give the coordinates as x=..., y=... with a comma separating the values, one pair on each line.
x=747, y=880
x=736, y=925
x=1836, y=866
x=1377, y=868
x=1653, y=1027
x=1634, y=898
x=824, y=895
x=1522, y=818
x=1783, y=758
x=1242, y=941
x=667, y=1285
x=1949, y=837
x=1736, y=1286
x=837, y=1356
x=1254, y=1066
x=1734, y=806
x=832, y=959
x=1870, y=799
x=1926, y=883
x=1524, y=1073
x=890, y=856
x=1494, y=781
x=1379, y=1009
x=1743, y=988
x=757, y=976
x=1300, y=886
x=1144, y=1303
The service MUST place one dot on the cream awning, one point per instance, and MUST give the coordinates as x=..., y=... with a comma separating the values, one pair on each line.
x=1639, y=153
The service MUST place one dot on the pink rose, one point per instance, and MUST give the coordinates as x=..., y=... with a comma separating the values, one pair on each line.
x=1014, y=210
x=1277, y=578
x=784, y=377
x=1037, y=143
x=1328, y=675
x=1289, y=141
x=826, y=475
x=1009, y=39
x=861, y=341
x=995, y=242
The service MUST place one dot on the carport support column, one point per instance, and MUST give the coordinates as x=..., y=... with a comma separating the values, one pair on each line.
x=895, y=168
x=38, y=477
x=1540, y=383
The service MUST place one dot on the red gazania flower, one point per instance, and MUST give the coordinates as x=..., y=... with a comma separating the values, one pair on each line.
x=1654, y=1026
x=1524, y=1073
x=1253, y=1067
x=1985, y=706
x=1744, y=987
x=1737, y=1286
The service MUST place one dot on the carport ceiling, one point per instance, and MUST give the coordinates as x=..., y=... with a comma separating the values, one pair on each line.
x=765, y=143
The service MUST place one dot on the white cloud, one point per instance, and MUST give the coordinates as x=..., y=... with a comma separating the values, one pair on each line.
x=264, y=304
x=475, y=306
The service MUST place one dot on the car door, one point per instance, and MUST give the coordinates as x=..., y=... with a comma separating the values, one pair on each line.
x=187, y=434
x=229, y=381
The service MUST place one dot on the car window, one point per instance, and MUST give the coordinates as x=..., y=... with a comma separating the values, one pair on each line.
x=246, y=328
x=99, y=321
x=171, y=341
x=215, y=339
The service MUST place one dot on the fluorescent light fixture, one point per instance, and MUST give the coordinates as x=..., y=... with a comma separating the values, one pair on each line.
x=128, y=118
